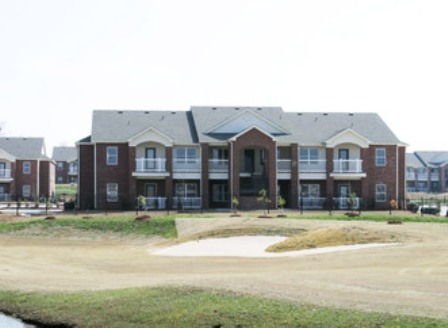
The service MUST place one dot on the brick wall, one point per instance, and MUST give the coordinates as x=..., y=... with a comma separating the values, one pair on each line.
x=86, y=181
x=113, y=174
x=26, y=179
x=47, y=179
x=254, y=138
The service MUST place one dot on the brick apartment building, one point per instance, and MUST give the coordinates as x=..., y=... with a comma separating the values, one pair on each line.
x=203, y=157
x=427, y=171
x=66, y=159
x=25, y=170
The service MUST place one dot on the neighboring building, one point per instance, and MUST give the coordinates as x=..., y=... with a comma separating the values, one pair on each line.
x=25, y=170
x=66, y=159
x=203, y=157
x=427, y=171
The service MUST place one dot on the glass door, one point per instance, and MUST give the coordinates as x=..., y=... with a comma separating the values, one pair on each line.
x=150, y=156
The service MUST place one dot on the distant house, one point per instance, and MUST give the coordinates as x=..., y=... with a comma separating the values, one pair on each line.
x=203, y=157
x=25, y=171
x=427, y=171
x=66, y=159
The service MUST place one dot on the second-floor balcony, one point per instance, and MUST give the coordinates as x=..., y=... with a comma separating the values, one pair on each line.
x=218, y=165
x=347, y=166
x=150, y=165
x=5, y=174
x=312, y=166
x=410, y=176
x=284, y=166
x=187, y=165
x=434, y=176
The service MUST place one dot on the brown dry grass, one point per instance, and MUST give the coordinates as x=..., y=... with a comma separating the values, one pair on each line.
x=332, y=237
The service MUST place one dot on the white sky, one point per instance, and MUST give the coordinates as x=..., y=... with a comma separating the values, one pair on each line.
x=61, y=59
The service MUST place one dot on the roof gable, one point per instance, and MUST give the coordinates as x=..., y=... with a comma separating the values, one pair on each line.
x=244, y=121
x=6, y=156
x=348, y=136
x=150, y=135
x=234, y=138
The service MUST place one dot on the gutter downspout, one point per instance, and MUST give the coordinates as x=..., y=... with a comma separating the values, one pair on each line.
x=396, y=173
x=37, y=178
x=94, y=178
x=231, y=172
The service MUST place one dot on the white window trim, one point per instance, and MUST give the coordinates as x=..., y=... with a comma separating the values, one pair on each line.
x=26, y=171
x=108, y=157
x=377, y=157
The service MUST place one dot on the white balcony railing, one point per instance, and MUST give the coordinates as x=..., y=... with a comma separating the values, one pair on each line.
x=435, y=176
x=189, y=165
x=150, y=165
x=313, y=166
x=218, y=165
x=5, y=174
x=284, y=165
x=422, y=177
x=410, y=176
x=347, y=166
x=187, y=203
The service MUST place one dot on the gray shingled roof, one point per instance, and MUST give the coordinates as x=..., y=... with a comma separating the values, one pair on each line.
x=65, y=154
x=24, y=148
x=305, y=128
x=120, y=126
x=432, y=158
x=413, y=161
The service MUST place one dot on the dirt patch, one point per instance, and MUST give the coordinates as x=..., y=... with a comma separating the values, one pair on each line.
x=332, y=237
x=410, y=278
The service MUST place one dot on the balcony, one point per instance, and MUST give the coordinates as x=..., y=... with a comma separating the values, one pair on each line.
x=434, y=176
x=150, y=167
x=410, y=176
x=283, y=166
x=5, y=174
x=312, y=203
x=313, y=166
x=218, y=165
x=187, y=165
x=347, y=169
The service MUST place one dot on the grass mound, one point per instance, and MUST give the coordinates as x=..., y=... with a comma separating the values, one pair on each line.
x=331, y=237
x=247, y=231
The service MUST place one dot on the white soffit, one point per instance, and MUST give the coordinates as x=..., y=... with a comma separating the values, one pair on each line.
x=348, y=136
x=150, y=135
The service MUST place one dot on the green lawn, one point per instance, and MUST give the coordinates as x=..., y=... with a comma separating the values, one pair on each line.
x=164, y=226
x=187, y=307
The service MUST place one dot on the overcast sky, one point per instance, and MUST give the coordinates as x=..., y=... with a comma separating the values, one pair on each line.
x=60, y=59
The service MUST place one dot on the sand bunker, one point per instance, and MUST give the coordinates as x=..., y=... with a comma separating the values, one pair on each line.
x=250, y=246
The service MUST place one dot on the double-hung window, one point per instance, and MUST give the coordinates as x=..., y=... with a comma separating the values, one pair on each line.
x=26, y=167
x=112, y=192
x=112, y=155
x=380, y=158
x=381, y=192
